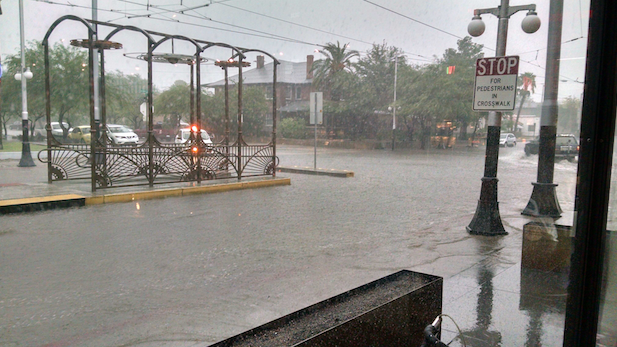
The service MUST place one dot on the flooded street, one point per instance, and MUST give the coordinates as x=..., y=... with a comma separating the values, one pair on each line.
x=194, y=270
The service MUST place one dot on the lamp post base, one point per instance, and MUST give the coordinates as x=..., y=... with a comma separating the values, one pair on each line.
x=26, y=156
x=543, y=201
x=487, y=221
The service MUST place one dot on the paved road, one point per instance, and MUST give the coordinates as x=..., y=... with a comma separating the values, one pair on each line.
x=194, y=270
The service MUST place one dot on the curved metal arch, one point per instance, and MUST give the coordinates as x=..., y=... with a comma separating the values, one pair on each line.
x=131, y=28
x=220, y=44
x=181, y=37
x=62, y=19
x=260, y=51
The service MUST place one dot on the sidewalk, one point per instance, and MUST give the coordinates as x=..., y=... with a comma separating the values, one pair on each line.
x=25, y=189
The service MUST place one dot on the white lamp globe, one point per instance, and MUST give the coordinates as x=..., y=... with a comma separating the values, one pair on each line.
x=28, y=74
x=476, y=27
x=531, y=23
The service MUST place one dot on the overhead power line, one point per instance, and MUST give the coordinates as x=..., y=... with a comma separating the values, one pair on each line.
x=412, y=19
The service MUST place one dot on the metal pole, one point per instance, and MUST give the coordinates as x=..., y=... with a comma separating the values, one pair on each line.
x=543, y=201
x=192, y=100
x=197, y=92
x=487, y=220
x=95, y=66
x=394, y=105
x=26, y=156
x=274, y=66
x=240, y=138
x=315, y=147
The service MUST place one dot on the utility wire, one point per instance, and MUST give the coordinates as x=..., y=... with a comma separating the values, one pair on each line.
x=267, y=36
x=308, y=27
x=541, y=49
x=297, y=24
x=412, y=19
x=232, y=25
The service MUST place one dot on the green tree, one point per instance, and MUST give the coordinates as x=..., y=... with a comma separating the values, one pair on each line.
x=569, y=113
x=174, y=103
x=438, y=95
x=374, y=91
x=69, y=82
x=331, y=72
x=123, y=96
x=255, y=107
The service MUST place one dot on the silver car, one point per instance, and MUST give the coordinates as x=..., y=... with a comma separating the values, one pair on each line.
x=507, y=139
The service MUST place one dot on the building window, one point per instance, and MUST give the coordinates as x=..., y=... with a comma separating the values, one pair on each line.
x=269, y=93
x=289, y=93
x=298, y=93
x=531, y=128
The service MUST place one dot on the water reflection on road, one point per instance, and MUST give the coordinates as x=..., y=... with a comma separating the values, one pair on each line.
x=197, y=269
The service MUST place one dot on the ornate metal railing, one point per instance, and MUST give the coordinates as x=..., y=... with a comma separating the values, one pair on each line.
x=117, y=166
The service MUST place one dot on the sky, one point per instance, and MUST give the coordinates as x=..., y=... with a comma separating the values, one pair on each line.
x=293, y=29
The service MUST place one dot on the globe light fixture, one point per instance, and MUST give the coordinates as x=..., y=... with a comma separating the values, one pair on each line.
x=531, y=23
x=476, y=27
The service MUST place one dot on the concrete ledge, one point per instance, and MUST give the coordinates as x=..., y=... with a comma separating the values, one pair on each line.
x=318, y=171
x=185, y=191
x=41, y=203
x=72, y=200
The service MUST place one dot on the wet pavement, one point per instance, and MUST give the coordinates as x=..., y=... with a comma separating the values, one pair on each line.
x=195, y=270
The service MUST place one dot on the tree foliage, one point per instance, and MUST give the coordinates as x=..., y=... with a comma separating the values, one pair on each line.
x=124, y=94
x=332, y=72
x=255, y=107
x=69, y=83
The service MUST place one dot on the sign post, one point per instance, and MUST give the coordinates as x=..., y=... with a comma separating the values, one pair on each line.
x=316, y=117
x=494, y=91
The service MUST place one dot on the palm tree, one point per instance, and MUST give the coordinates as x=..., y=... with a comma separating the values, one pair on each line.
x=526, y=81
x=330, y=72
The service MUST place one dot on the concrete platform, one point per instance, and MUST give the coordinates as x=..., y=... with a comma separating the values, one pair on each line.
x=25, y=189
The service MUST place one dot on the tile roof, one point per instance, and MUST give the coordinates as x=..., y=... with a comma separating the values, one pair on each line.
x=287, y=72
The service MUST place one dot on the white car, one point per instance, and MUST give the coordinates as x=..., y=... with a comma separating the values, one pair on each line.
x=507, y=139
x=56, y=129
x=184, y=134
x=121, y=135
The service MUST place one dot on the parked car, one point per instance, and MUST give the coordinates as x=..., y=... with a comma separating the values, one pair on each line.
x=183, y=135
x=56, y=129
x=121, y=135
x=507, y=139
x=80, y=134
x=566, y=147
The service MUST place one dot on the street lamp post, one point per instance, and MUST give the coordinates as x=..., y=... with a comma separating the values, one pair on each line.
x=394, y=102
x=486, y=220
x=543, y=201
x=25, y=74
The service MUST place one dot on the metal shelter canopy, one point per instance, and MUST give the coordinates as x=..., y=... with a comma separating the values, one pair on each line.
x=110, y=165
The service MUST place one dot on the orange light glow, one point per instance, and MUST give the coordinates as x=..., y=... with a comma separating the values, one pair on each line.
x=194, y=128
x=195, y=149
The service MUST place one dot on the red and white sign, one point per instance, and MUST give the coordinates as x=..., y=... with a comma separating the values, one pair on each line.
x=495, y=85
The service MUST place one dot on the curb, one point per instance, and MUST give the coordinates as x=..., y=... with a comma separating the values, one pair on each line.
x=73, y=200
x=318, y=171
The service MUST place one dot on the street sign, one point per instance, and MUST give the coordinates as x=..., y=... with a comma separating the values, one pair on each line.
x=142, y=109
x=316, y=107
x=495, y=85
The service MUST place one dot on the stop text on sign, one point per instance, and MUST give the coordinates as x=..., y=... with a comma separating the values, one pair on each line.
x=495, y=84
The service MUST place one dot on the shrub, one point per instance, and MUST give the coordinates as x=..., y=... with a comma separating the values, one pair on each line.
x=292, y=128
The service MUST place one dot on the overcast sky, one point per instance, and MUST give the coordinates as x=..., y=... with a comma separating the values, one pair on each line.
x=293, y=29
